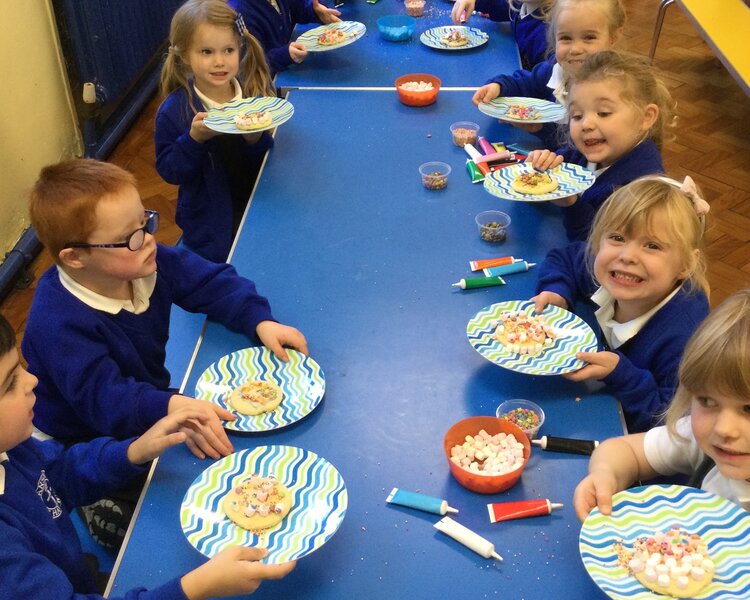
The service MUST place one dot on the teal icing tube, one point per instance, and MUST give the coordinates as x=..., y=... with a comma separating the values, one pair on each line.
x=419, y=501
x=517, y=267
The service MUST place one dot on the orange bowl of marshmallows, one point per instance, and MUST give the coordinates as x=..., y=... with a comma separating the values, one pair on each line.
x=417, y=89
x=486, y=454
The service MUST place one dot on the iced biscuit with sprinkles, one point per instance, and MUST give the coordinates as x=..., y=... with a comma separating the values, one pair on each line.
x=675, y=564
x=256, y=503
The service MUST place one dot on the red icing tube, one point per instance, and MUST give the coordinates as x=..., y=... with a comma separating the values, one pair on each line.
x=507, y=511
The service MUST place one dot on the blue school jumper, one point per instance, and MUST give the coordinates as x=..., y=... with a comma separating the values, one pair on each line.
x=645, y=379
x=272, y=29
x=204, y=199
x=533, y=84
x=40, y=555
x=104, y=374
x=644, y=159
x=530, y=32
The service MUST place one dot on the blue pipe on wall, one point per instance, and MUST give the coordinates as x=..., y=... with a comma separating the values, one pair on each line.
x=17, y=260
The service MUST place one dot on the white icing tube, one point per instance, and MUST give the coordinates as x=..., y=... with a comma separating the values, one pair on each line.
x=467, y=537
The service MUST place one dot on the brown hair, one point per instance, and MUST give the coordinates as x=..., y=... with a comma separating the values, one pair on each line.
x=640, y=84
x=254, y=74
x=63, y=201
x=632, y=207
x=613, y=10
x=716, y=359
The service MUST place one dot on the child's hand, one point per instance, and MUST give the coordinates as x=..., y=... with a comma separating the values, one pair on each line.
x=232, y=572
x=198, y=130
x=326, y=15
x=544, y=298
x=297, y=51
x=486, y=93
x=205, y=436
x=600, y=364
x=462, y=8
x=542, y=160
x=163, y=434
x=596, y=489
x=275, y=336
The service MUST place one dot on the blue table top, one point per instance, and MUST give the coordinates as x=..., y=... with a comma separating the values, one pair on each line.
x=351, y=249
x=374, y=62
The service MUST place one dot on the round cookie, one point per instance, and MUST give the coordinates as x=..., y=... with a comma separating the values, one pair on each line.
x=331, y=37
x=522, y=333
x=255, y=503
x=455, y=39
x=522, y=113
x=255, y=120
x=674, y=564
x=255, y=397
x=534, y=183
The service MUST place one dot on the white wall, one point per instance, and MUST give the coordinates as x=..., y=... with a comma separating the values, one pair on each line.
x=38, y=124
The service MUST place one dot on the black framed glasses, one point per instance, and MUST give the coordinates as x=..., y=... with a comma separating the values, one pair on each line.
x=135, y=240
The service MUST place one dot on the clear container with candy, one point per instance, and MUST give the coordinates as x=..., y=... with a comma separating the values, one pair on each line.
x=525, y=414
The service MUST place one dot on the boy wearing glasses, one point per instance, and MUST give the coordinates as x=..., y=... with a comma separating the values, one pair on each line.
x=99, y=322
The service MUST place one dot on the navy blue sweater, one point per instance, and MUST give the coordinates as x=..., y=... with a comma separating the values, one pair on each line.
x=204, y=200
x=104, y=374
x=274, y=30
x=530, y=32
x=645, y=379
x=644, y=159
x=40, y=555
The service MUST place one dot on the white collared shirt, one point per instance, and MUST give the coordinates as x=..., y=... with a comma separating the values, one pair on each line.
x=3, y=458
x=556, y=84
x=142, y=290
x=616, y=333
x=528, y=7
x=668, y=456
x=208, y=104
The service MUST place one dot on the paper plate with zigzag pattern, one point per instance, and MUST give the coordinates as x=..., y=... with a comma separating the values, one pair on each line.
x=573, y=335
x=642, y=511
x=571, y=179
x=319, y=505
x=222, y=119
x=301, y=381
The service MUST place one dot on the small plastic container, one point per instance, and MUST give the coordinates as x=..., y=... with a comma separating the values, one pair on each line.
x=417, y=97
x=493, y=225
x=477, y=481
x=523, y=413
x=435, y=175
x=414, y=8
x=396, y=28
x=464, y=132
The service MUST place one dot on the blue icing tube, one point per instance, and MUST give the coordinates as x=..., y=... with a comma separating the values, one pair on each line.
x=517, y=267
x=419, y=501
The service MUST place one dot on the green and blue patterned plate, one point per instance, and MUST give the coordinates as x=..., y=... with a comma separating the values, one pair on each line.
x=549, y=112
x=353, y=30
x=571, y=179
x=573, y=335
x=222, y=119
x=433, y=38
x=301, y=381
x=319, y=496
x=646, y=510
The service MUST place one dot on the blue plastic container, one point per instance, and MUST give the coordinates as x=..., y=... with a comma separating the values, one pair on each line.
x=396, y=28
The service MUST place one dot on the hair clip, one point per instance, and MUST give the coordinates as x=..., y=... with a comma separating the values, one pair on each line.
x=688, y=188
x=240, y=23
